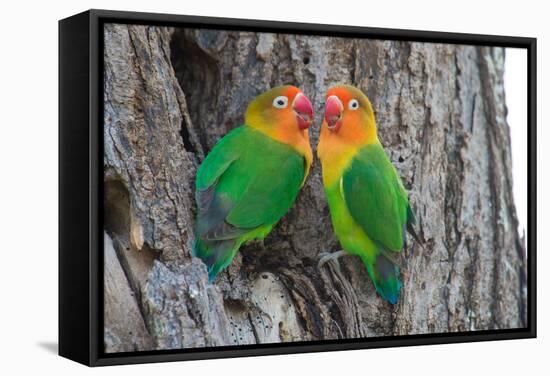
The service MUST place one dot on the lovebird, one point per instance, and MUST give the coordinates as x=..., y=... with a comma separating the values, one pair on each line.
x=252, y=176
x=369, y=207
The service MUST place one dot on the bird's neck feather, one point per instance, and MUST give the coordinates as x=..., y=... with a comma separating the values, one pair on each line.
x=336, y=151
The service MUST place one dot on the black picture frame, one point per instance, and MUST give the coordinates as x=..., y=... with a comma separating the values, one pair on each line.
x=80, y=187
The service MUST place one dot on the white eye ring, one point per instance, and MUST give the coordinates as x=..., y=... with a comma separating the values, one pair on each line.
x=280, y=102
x=353, y=104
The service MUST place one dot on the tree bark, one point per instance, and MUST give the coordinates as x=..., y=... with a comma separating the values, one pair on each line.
x=170, y=94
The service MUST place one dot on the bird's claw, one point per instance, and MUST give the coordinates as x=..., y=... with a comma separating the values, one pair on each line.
x=330, y=256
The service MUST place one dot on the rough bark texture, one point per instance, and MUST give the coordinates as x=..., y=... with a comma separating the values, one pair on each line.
x=170, y=94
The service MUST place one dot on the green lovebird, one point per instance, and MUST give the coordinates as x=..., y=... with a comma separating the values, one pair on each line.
x=369, y=207
x=252, y=176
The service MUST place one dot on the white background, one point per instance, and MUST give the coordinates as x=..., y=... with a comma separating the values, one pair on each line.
x=28, y=187
x=515, y=87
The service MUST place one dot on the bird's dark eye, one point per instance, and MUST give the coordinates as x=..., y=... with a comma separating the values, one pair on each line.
x=280, y=102
x=353, y=104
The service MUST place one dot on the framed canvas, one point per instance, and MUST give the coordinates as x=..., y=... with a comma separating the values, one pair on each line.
x=237, y=187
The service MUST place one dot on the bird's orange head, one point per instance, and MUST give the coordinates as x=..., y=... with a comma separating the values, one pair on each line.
x=282, y=109
x=349, y=115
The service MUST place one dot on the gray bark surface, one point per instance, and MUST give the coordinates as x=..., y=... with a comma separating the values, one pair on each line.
x=170, y=94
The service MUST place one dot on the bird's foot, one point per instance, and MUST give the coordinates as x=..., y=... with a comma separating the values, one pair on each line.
x=328, y=256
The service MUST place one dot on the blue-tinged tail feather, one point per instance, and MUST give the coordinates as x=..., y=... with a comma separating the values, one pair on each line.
x=216, y=254
x=385, y=276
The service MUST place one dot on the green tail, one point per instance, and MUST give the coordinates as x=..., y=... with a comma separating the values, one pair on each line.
x=215, y=254
x=385, y=276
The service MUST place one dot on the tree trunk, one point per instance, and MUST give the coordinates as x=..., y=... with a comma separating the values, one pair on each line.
x=170, y=94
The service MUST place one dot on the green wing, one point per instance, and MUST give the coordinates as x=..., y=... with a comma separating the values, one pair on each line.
x=376, y=198
x=248, y=181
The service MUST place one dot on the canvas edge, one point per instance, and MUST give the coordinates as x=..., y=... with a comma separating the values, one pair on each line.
x=88, y=346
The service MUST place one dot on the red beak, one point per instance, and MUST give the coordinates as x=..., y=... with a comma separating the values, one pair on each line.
x=303, y=111
x=333, y=113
